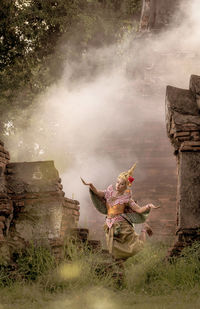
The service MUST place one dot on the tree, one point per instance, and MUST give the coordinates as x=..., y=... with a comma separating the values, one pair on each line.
x=37, y=37
x=29, y=32
x=157, y=14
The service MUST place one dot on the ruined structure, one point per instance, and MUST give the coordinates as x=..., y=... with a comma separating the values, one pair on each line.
x=6, y=206
x=33, y=207
x=157, y=14
x=183, y=128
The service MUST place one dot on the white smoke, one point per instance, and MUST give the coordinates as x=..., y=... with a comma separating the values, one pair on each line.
x=81, y=123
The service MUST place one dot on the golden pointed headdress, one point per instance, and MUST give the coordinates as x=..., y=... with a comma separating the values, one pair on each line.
x=128, y=175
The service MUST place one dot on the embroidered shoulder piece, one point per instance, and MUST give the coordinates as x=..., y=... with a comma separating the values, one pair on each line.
x=121, y=199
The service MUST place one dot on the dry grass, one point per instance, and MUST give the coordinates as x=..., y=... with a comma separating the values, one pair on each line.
x=150, y=282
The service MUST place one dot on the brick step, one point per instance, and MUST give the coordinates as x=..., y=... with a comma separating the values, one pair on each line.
x=94, y=245
x=80, y=233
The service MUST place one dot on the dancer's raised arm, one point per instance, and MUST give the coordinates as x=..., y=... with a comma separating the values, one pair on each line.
x=135, y=207
x=92, y=187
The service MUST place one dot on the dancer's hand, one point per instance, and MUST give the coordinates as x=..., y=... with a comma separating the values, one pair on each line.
x=151, y=206
x=85, y=183
x=92, y=187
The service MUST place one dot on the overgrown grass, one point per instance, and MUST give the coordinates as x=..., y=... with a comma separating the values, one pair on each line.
x=81, y=280
x=151, y=273
x=80, y=267
x=27, y=265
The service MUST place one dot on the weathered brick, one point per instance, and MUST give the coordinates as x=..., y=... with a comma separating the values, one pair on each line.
x=20, y=203
x=71, y=201
x=195, y=84
x=196, y=138
x=192, y=143
x=2, y=149
x=2, y=155
x=184, y=138
x=3, y=160
x=189, y=127
x=2, y=239
x=177, y=134
x=9, y=171
x=7, y=156
x=195, y=133
x=189, y=148
x=6, y=206
x=71, y=206
x=1, y=225
x=2, y=219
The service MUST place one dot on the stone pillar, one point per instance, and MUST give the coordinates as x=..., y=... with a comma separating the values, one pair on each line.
x=6, y=208
x=183, y=129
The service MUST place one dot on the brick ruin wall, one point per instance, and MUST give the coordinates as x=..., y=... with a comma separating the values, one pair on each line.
x=158, y=182
x=183, y=128
x=33, y=207
x=6, y=207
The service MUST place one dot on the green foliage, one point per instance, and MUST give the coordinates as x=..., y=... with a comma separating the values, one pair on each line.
x=29, y=32
x=29, y=264
x=151, y=281
x=38, y=37
x=5, y=278
x=80, y=269
x=132, y=7
x=149, y=271
x=124, y=8
x=34, y=262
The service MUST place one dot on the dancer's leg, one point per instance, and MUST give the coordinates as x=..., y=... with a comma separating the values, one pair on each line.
x=146, y=229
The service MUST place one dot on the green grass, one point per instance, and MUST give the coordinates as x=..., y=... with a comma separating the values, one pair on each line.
x=149, y=271
x=150, y=281
x=31, y=296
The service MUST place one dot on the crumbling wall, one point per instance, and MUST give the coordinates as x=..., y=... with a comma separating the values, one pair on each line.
x=33, y=207
x=70, y=216
x=183, y=128
x=6, y=208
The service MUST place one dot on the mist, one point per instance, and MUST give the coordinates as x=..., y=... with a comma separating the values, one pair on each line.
x=106, y=99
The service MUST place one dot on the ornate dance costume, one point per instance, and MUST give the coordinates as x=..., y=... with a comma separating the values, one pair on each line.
x=122, y=212
x=121, y=238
